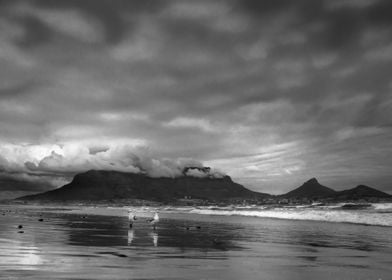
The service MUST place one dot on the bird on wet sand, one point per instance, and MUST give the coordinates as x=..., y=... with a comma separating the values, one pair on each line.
x=131, y=218
x=154, y=220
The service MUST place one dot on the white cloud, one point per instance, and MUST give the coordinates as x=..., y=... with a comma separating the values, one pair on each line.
x=9, y=53
x=197, y=10
x=186, y=122
x=321, y=61
x=122, y=116
x=381, y=53
x=72, y=158
x=354, y=132
x=143, y=44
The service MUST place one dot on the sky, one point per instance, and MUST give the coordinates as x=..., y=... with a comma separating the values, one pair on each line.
x=270, y=92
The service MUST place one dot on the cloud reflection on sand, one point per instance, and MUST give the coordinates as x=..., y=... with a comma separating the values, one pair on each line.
x=189, y=246
x=20, y=255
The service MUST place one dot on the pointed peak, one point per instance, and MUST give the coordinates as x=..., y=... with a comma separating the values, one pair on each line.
x=310, y=189
x=312, y=181
x=362, y=187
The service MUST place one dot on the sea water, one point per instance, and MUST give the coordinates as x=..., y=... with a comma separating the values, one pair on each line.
x=373, y=214
x=251, y=242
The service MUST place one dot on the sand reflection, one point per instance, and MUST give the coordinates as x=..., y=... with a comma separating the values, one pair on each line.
x=131, y=234
x=30, y=257
x=154, y=236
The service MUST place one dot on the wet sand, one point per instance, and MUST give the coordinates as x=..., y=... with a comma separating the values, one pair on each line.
x=80, y=244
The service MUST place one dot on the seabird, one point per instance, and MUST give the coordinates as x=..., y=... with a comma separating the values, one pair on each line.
x=131, y=218
x=154, y=220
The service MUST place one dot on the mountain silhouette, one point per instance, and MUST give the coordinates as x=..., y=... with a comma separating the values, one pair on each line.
x=98, y=185
x=310, y=189
x=360, y=192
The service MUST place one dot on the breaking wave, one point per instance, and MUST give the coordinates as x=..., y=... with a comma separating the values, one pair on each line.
x=372, y=214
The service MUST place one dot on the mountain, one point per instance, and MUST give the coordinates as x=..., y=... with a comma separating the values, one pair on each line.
x=96, y=185
x=310, y=189
x=360, y=192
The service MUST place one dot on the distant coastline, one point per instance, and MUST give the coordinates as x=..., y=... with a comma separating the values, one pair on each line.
x=119, y=188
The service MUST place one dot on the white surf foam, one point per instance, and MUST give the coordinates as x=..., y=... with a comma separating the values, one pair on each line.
x=328, y=215
x=382, y=206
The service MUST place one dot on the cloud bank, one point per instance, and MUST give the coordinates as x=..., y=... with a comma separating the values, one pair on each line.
x=272, y=92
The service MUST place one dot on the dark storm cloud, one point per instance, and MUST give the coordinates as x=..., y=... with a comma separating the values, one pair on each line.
x=15, y=90
x=11, y=183
x=273, y=91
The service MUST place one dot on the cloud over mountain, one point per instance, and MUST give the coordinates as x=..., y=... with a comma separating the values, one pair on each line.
x=272, y=92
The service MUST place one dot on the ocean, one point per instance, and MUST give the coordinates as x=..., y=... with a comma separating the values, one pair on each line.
x=252, y=242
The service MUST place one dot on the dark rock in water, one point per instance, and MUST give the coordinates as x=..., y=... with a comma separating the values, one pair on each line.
x=354, y=206
x=198, y=227
x=21, y=231
x=40, y=220
x=218, y=243
x=20, y=226
x=113, y=253
x=110, y=185
x=310, y=189
x=215, y=241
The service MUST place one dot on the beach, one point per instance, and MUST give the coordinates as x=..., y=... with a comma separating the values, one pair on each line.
x=96, y=243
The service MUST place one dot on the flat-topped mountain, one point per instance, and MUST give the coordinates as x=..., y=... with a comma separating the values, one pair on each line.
x=360, y=192
x=310, y=189
x=110, y=185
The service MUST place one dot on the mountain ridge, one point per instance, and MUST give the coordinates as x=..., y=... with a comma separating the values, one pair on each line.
x=100, y=184
x=360, y=191
x=310, y=189
x=96, y=185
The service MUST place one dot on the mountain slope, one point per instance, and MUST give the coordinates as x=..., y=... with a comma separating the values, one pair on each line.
x=359, y=192
x=310, y=189
x=105, y=185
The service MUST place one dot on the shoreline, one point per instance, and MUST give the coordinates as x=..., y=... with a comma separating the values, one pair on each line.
x=98, y=245
x=335, y=215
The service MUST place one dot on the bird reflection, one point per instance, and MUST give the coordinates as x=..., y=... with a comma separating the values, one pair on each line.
x=154, y=236
x=130, y=236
